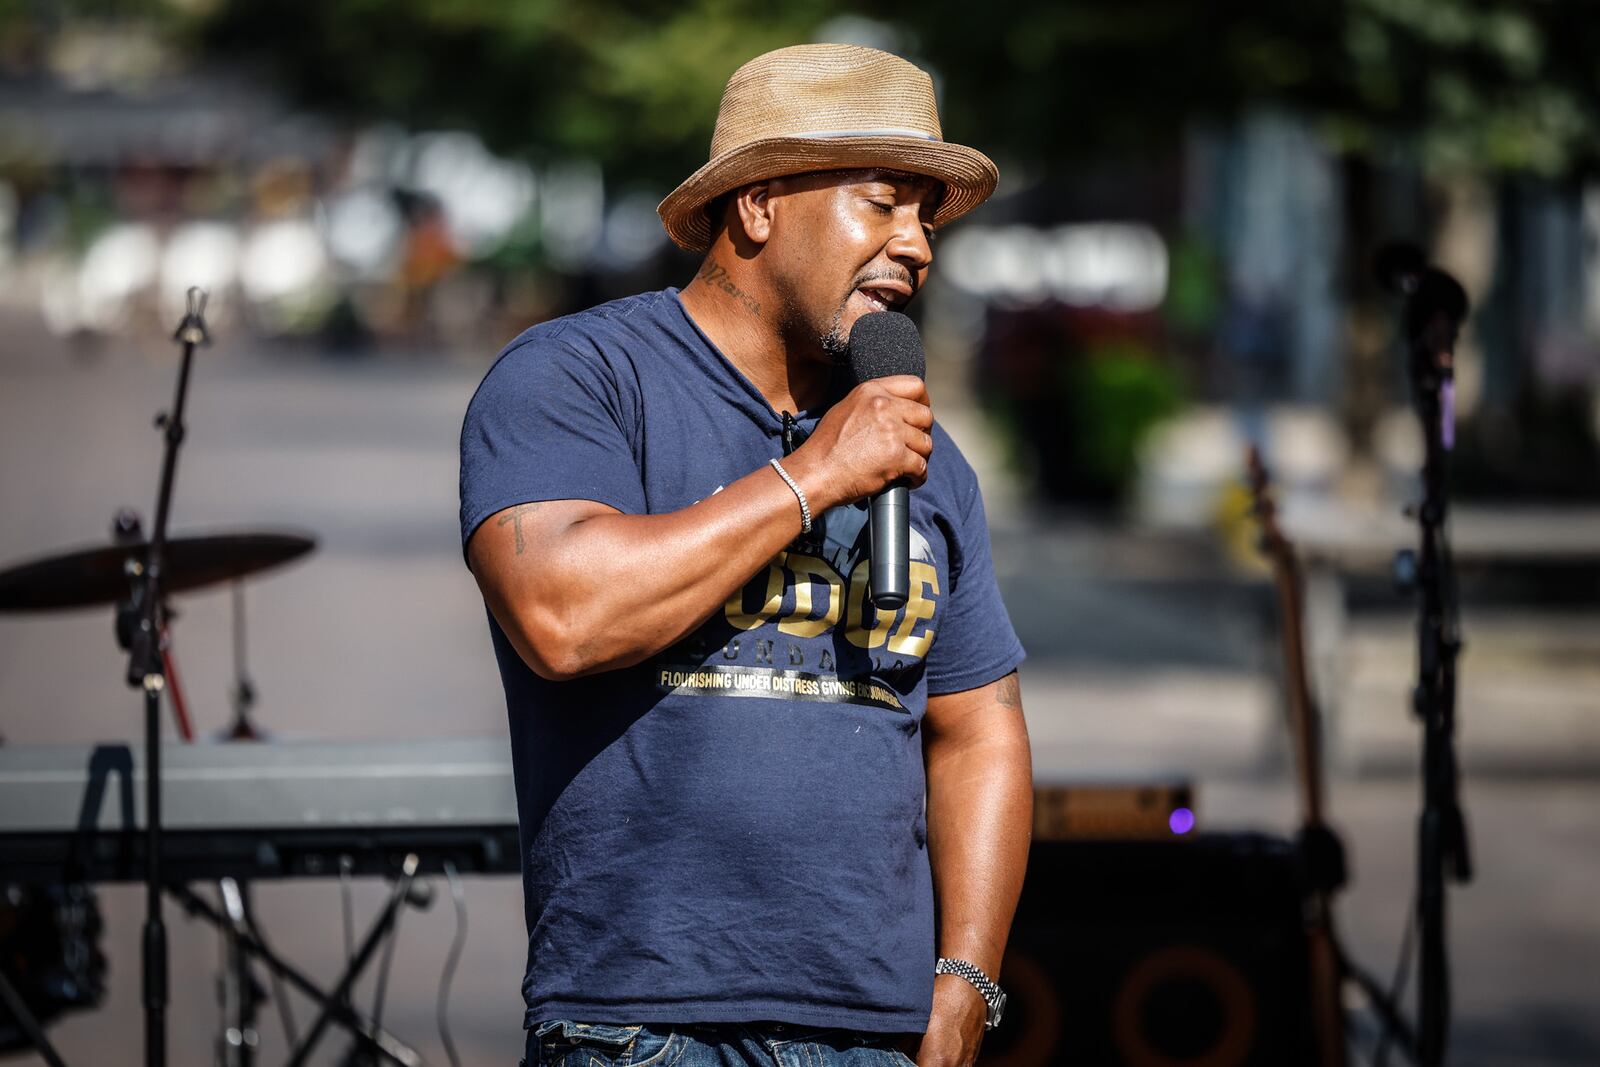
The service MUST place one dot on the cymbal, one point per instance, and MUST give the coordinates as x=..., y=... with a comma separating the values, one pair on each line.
x=93, y=576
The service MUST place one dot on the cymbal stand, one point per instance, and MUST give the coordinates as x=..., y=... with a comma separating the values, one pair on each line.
x=243, y=693
x=147, y=672
x=1435, y=305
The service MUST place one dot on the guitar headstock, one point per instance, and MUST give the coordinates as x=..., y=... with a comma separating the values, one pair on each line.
x=1273, y=543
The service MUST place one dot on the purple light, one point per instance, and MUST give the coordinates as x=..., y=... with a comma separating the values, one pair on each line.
x=1181, y=820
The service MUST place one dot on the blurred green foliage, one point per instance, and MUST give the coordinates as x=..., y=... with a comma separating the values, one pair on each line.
x=1110, y=398
x=635, y=85
x=632, y=86
x=1482, y=83
x=1194, y=287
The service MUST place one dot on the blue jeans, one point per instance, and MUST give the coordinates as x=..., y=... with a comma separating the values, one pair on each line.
x=562, y=1043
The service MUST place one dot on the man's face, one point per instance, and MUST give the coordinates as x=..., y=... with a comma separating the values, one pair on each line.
x=846, y=244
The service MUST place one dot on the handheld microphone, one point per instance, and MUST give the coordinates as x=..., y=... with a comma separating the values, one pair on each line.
x=885, y=343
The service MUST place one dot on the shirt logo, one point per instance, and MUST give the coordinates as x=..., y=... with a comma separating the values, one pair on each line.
x=819, y=586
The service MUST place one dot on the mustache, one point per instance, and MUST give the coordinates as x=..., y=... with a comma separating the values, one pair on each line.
x=885, y=274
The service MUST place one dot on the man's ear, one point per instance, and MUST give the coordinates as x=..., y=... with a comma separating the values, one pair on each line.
x=754, y=205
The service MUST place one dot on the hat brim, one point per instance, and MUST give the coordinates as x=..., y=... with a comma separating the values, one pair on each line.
x=968, y=175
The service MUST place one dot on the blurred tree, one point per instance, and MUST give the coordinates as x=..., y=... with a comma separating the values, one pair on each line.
x=1482, y=83
x=1485, y=84
x=632, y=86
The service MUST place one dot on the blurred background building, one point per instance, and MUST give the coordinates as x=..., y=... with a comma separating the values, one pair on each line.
x=1177, y=263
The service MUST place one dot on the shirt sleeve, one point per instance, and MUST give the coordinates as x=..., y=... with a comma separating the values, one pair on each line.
x=549, y=422
x=975, y=643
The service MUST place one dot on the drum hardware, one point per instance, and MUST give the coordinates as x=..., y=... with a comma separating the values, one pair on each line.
x=135, y=576
x=139, y=576
x=25, y=1021
x=110, y=575
x=239, y=994
x=242, y=696
x=50, y=960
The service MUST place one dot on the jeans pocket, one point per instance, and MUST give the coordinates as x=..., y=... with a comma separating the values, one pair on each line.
x=565, y=1043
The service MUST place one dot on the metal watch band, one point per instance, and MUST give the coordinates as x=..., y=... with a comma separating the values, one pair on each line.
x=992, y=994
x=805, y=506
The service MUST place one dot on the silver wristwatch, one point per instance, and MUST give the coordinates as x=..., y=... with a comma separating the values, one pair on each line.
x=992, y=994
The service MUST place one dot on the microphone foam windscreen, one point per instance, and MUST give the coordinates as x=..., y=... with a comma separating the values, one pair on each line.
x=1398, y=265
x=883, y=343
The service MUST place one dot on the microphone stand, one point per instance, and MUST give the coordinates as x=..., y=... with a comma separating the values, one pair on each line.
x=146, y=671
x=1435, y=306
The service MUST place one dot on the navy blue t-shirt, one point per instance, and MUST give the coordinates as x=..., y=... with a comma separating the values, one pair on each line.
x=733, y=830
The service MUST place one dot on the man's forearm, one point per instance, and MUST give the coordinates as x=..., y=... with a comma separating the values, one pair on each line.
x=980, y=813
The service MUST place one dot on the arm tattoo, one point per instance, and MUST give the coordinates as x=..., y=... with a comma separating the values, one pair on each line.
x=514, y=516
x=716, y=276
x=1008, y=691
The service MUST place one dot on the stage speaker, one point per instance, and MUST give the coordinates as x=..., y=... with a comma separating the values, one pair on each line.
x=1178, y=953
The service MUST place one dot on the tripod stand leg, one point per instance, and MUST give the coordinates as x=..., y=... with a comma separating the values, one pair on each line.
x=341, y=1013
x=29, y=1023
x=341, y=992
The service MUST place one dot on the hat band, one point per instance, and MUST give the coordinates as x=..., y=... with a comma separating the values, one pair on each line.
x=885, y=131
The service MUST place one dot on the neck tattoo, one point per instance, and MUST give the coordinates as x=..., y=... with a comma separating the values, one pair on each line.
x=716, y=276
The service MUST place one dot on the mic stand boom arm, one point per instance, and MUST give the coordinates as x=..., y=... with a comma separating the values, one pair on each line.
x=147, y=672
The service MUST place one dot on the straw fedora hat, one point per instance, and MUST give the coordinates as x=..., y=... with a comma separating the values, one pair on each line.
x=825, y=107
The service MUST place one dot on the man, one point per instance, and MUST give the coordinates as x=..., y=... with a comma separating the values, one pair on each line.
x=742, y=788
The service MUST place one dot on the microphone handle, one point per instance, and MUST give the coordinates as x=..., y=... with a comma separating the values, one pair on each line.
x=889, y=523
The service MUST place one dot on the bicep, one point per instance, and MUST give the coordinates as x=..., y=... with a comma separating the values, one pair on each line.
x=521, y=535
x=518, y=558
x=987, y=714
